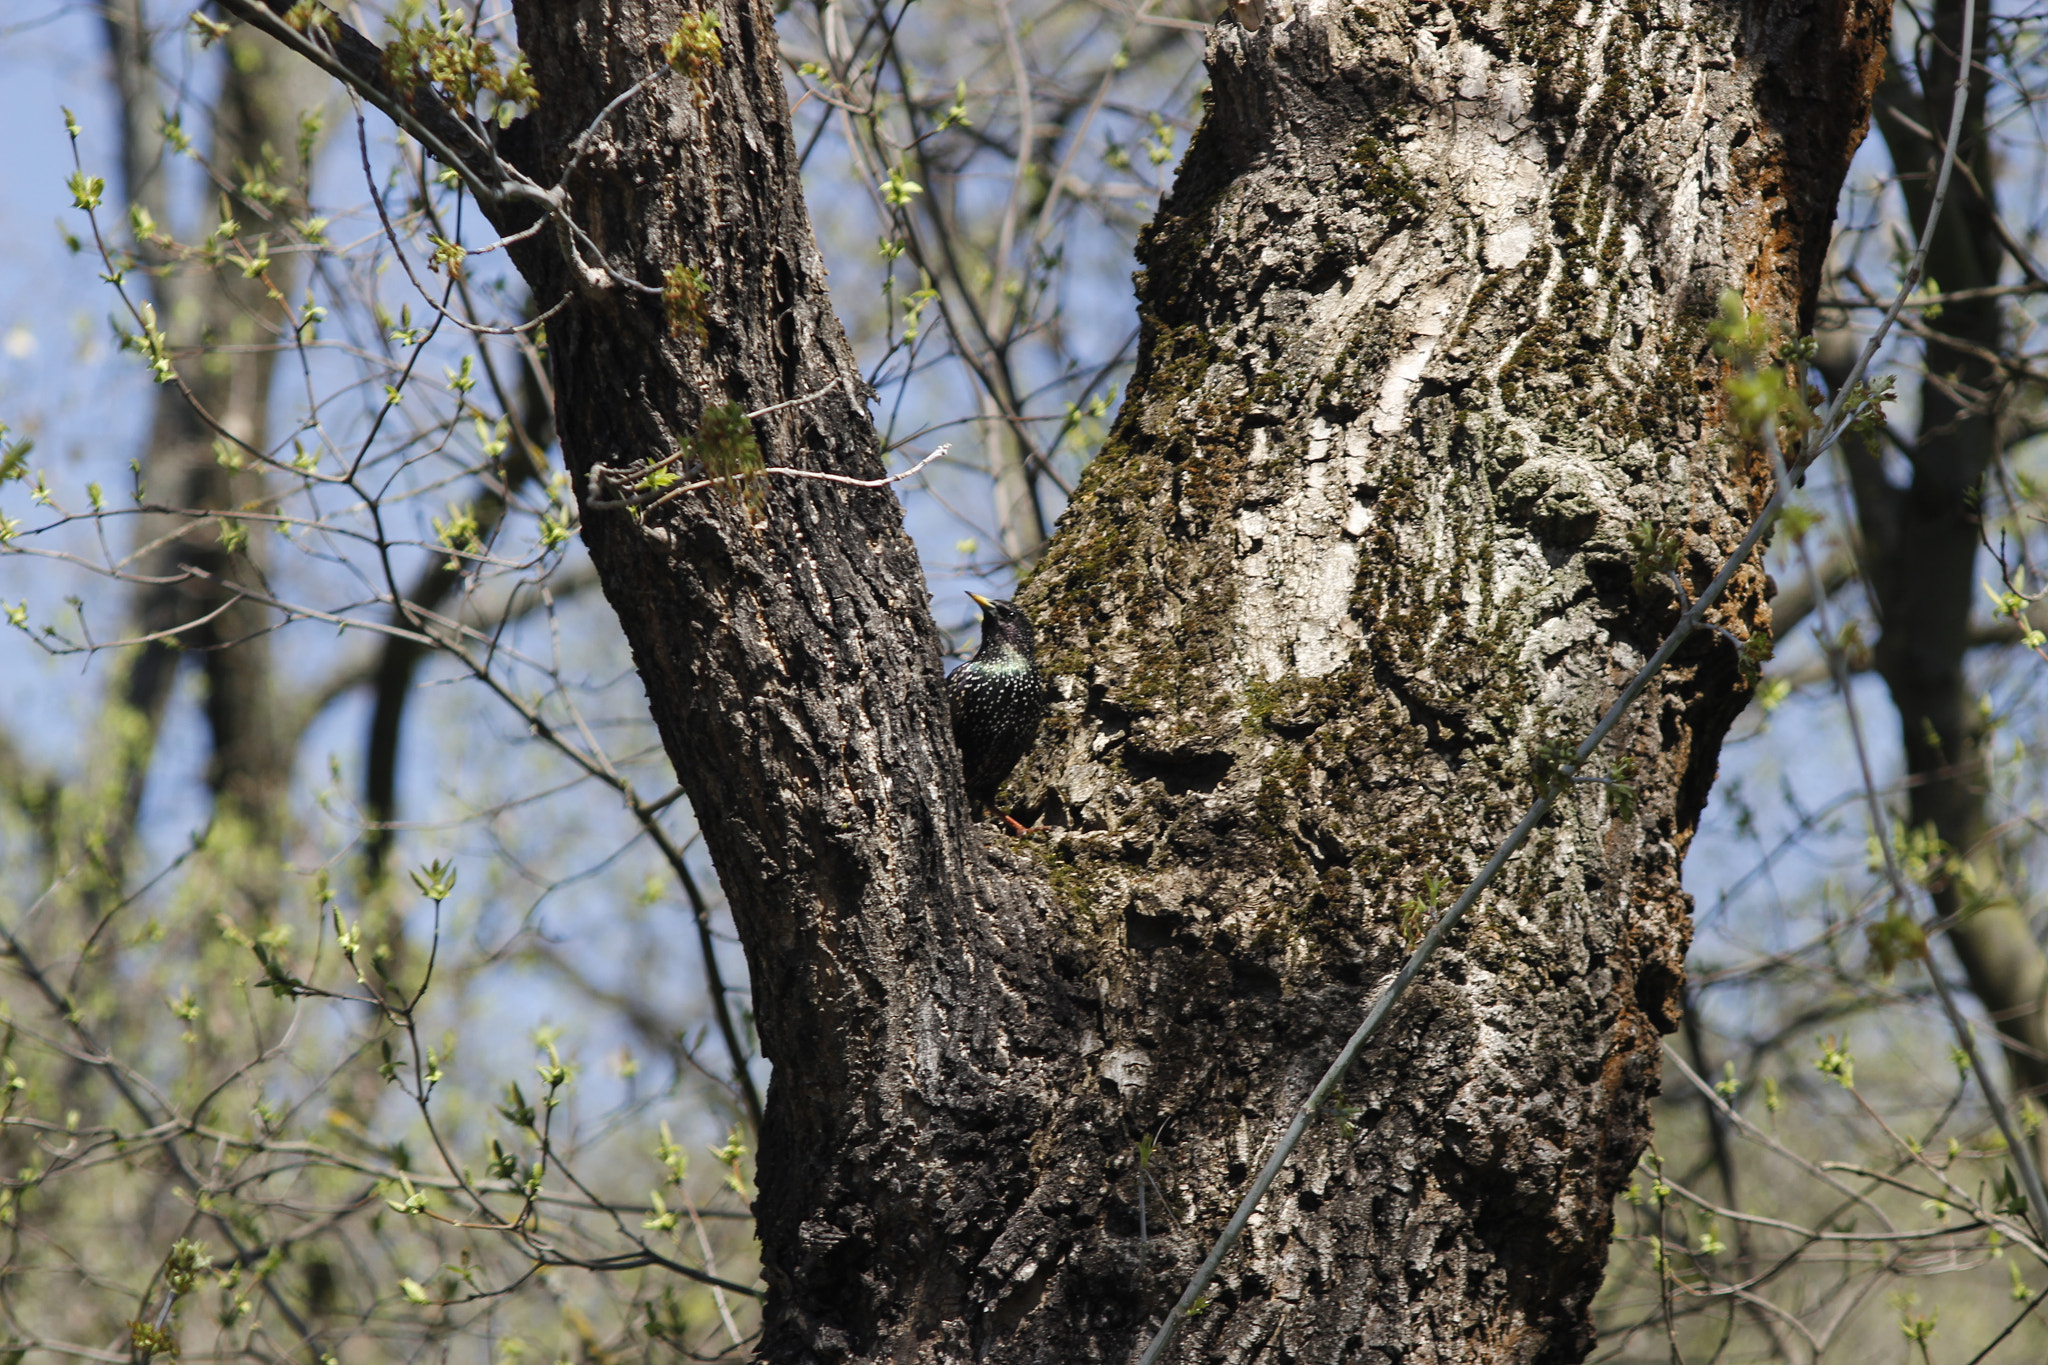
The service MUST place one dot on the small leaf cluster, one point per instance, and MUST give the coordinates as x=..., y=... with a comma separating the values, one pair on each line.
x=725, y=442
x=1835, y=1061
x=2006, y=1195
x=1657, y=553
x=1418, y=912
x=2012, y=603
x=186, y=1263
x=461, y=533
x=1622, y=795
x=683, y=290
x=1894, y=939
x=148, y=1340
x=1765, y=387
x=1553, y=763
x=447, y=54
x=447, y=255
x=151, y=343
x=1754, y=653
x=899, y=189
x=558, y=522
x=695, y=51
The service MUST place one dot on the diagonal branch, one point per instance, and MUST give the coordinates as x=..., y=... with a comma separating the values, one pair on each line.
x=345, y=54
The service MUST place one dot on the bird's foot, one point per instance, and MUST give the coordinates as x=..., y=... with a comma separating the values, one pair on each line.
x=1026, y=830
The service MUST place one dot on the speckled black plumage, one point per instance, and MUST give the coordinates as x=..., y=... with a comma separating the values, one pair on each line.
x=998, y=698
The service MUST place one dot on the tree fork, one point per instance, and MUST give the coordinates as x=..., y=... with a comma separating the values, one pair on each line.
x=1425, y=374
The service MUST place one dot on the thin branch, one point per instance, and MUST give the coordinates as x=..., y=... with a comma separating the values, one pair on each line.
x=600, y=472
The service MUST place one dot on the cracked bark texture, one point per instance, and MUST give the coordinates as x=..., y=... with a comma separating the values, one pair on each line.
x=1425, y=337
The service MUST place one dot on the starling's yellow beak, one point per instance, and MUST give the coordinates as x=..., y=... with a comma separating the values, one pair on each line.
x=981, y=601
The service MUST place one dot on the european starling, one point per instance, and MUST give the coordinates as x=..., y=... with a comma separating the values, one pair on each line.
x=998, y=697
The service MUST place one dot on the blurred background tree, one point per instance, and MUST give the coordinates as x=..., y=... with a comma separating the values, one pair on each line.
x=411, y=767
x=1883, y=816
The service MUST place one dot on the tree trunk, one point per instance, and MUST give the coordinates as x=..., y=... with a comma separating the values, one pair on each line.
x=235, y=321
x=1921, y=545
x=1425, y=340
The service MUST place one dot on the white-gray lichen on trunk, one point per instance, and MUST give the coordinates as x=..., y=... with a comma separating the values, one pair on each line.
x=1426, y=339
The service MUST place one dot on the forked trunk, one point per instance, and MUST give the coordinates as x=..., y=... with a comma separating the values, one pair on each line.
x=1425, y=342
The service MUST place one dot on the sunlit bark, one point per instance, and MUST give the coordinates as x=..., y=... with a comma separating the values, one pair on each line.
x=1425, y=344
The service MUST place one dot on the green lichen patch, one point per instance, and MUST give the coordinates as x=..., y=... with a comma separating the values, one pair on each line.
x=1384, y=178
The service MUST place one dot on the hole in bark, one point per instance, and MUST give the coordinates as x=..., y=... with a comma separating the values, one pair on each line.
x=1326, y=850
x=1657, y=995
x=1328, y=272
x=1147, y=932
x=1181, y=771
x=1445, y=733
x=1013, y=1309
x=1051, y=811
x=1252, y=978
x=1610, y=576
x=787, y=349
x=1114, y=717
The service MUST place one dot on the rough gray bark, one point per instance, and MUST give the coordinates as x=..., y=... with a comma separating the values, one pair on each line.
x=1425, y=338
x=793, y=669
x=1425, y=341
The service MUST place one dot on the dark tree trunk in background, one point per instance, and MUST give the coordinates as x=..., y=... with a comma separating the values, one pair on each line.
x=1921, y=544
x=1425, y=338
x=255, y=132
